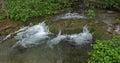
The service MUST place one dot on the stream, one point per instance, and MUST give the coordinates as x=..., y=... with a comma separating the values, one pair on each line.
x=65, y=38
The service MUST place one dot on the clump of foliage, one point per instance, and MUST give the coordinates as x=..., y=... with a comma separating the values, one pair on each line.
x=116, y=21
x=53, y=28
x=2, y=14
x=24, y=9
x=91, y=13
x=106, y=51
x=112, y=4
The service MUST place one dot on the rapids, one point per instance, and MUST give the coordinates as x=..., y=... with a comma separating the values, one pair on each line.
x=39, y=34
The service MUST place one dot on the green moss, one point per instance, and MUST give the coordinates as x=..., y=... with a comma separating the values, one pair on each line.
x=117, y=21
x=53, y=28
x=78, y=30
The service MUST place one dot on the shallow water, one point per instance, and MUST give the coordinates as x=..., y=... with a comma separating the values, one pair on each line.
x=64, y=52
x=33, y=47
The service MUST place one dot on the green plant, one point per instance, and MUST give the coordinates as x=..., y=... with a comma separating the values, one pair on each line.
x=53, y=28
x=24, y=9
x=112, y=4
x=91, y=13
x=2, y=14
x=106, y=51
x=117, y=21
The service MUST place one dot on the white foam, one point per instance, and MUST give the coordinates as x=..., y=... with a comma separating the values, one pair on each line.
x=33, y=35
x=117, y=30
x=72, y=16
x=79, y=39
x=39, y=34
x=69, y=16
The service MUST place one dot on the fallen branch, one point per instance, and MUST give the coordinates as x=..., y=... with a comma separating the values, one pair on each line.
x=4, y=28
x=13, y=34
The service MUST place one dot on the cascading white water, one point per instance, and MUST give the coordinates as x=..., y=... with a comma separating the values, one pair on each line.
x=32, y=36
x=70, y=16
x=38, y=34
x=81, y=38
x=117, y=29
x=56, y=40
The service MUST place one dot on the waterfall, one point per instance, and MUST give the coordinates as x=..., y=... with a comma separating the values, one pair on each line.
x=39, y=34
x=72, y=16
x=117, y=30
x=33, y=35
x=56, y=40
x=81, y=38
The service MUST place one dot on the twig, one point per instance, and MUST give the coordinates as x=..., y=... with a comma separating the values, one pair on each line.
x=4, y=28
x=12, y=34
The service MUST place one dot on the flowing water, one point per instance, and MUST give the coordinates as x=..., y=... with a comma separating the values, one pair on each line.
x=38, y=44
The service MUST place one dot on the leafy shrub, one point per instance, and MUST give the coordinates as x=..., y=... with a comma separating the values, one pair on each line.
x=2, y=14
x=116, y=21
x=91, y=13
x=106, y=51
x=24, y=9
x=112, y=4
